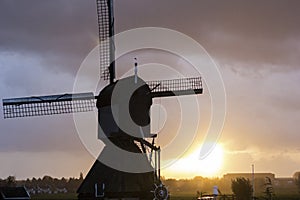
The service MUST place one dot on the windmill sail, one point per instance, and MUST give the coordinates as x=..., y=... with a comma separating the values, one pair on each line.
x=106, y=43
x=48, y=105
x=176, y=87
x=103, y=181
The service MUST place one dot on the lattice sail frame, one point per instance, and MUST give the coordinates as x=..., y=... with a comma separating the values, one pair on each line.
x=176, y=87
x=106, y=43
x=84, y=102
x=48, y=105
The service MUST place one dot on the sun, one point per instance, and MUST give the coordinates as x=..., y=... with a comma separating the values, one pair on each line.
x=192, y=165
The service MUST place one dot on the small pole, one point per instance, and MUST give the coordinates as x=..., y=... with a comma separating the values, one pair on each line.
x=135, y=71
x=155, y=164
x=159, y=164
x=253, y=181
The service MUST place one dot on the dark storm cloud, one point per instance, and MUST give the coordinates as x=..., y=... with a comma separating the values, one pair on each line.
x=61, y=32
x=39, y=24
x=64, y=31
x=256, y=32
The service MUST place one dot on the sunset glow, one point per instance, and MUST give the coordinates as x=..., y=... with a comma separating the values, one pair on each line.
x=192, y=165
x=255, y=45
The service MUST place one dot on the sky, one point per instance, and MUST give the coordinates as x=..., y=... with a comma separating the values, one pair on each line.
x=256, y=45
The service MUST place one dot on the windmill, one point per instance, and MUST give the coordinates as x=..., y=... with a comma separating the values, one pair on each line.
x=123, y=117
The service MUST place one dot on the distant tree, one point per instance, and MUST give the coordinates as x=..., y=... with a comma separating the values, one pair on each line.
x=268, y=189
x=27, y=183
x=242, y=188
x=297, y=180
x=73, y=184
x=47, y=181
x=11, y=181
x=63, y=180
x=47, y=178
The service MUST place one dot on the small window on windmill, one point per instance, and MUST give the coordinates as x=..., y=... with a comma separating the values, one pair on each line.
x=99, y=190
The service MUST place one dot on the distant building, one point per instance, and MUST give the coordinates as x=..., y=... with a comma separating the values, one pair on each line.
x=284, y=181
x=14, y=193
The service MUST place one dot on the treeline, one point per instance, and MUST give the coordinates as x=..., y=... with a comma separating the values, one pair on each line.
x=182, y=186
x=47, y=184
x=195, y=186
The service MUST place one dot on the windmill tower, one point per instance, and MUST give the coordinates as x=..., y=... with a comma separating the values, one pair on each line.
x=124, y=123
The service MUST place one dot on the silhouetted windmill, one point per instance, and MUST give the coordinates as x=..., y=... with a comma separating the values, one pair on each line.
x=130, y=96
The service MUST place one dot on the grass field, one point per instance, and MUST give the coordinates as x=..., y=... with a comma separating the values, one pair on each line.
x=74, y=197
x=54, y=196
x=175, y=197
